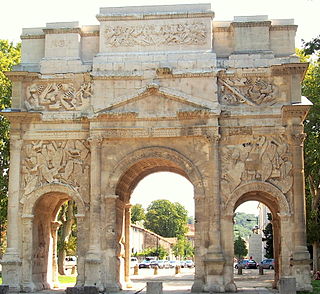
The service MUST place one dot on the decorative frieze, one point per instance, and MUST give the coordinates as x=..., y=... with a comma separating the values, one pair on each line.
x=246, y=90
x=156, y=35
x=57, y=96
x=261, y=158
x=46, y=162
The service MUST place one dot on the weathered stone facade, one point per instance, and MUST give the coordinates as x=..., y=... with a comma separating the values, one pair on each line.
x=157, y=88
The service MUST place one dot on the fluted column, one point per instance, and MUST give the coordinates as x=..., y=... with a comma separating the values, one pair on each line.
x=13, y=198
x=27, y=253
x=11, y=262
x=214, y=260
x=93, y=258
x=301, y=256
x=54, y=232
x=127, y=245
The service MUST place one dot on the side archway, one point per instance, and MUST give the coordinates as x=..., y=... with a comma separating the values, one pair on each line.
x=39, y=233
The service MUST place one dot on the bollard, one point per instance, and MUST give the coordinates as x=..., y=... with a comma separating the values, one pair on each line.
x=260, y=270
x=154, y=288
x=155, y=270
x=239, y=270
x=287, y=285
x=73, y=270
x=177, y=268
x=136, y=270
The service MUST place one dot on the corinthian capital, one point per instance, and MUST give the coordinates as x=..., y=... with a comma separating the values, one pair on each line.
x=95, y=141
x=15, y=144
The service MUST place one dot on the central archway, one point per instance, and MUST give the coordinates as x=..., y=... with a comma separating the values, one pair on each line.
x=127, y=174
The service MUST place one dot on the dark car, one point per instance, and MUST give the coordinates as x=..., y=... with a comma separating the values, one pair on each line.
x=145, y=264
x=267, y=263
x=246, y=263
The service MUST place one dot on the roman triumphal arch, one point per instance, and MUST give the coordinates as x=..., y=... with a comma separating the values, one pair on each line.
x=155, y=88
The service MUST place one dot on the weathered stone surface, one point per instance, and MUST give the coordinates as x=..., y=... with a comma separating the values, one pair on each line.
x=154, y=288
x=287, y=285
x=154, y=88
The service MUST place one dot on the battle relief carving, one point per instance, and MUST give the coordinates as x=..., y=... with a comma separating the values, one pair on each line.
x=155, y=35
x=258, y=159
x=57, y=96
x=64, y=162
x=246, y=90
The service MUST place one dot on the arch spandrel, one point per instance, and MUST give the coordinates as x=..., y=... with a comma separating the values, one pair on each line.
x=159, y=159
x=29, y=201
x=268, y=194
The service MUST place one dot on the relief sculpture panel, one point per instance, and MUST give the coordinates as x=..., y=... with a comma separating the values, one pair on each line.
x=57, y=96
x=64, y=162
x=246, y=90
x=258, y=159
x=156, y=35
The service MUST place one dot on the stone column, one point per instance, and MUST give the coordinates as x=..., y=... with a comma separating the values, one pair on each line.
x=214, y=258
x=93, y=258
x=301, y=257
x=81, y=249
x=54, y=232
x=112, y=271
x=127, y=227
x=11, y=261
x=27, y=253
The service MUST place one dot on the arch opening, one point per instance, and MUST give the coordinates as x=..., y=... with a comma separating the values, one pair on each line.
x=124, y=188
x=47, y=261
x=269, y=208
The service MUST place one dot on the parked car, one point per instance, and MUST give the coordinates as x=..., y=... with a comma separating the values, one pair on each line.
x=267, y=263
x=189, y=263
x=145, y=264
x=246, y=263
x=174, y=263
x=163, y=263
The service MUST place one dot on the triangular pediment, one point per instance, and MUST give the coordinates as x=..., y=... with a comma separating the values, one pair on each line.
x=156, y=101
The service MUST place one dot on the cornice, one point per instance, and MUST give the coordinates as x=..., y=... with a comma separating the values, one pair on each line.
x=22, y=75
x=294, y=111
x=290, y=69
x=62, y=30
x=284, y=28
x=29, y=36
x=153, y=16
x=251, y=24
x=21, y=116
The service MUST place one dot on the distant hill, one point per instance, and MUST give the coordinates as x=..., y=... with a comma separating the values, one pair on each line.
x=243, y=224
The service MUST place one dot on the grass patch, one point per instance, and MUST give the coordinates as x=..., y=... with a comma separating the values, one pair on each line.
x=316, y=288
x=67, y=279
x=0, y=281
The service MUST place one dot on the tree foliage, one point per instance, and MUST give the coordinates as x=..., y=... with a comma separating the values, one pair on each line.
x=183, y=248
x=137, y=213
x=166, y=219
x=240, y=248
x=312, y=47
x=311, y=89
x=268, y=238
x=159, y=251
x=9, y=56
x=244, y=223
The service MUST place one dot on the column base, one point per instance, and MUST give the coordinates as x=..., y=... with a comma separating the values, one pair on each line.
x=301, y=269
x=198, y=286
x=214, y=266
x=112, y=288
x=93, y=271
x=11, y=271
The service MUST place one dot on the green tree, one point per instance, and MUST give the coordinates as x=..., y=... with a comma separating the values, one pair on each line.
x=137, y=213
x=240, y=248
x=244, y=223
x=183, y=248
x=67, y=238
x=268, y=238
x=166, y=219
x=312, y=47
x=159, y=251
x=9, y=56
x=311, y=89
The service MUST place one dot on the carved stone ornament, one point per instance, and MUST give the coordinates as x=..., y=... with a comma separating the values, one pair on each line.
x=246, y=90
x=64, y=162
x=57, y=96
x=156, y=35
x=259, y=159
